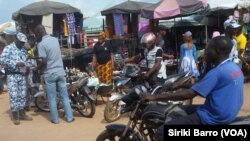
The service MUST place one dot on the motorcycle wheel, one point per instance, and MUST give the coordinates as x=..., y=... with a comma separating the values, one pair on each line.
x=107, y=135
x=87, y=108
x=112, y=110
x=42, y=103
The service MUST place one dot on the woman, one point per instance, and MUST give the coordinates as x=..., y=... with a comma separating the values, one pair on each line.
x=188, y=57
x=103, y=59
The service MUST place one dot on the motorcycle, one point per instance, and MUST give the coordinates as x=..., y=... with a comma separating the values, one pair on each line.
x=115, y=106
x=130, y=77
x=79, y=94
x=146, y=118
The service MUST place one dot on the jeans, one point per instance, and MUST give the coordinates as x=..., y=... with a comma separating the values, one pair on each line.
x=53, y=83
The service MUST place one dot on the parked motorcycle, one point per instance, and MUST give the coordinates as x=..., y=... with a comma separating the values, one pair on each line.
x=79, y=94
x=130, y=78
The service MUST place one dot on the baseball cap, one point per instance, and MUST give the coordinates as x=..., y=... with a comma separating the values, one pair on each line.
x=187, y=34
x=231, y=23
x=21, y=37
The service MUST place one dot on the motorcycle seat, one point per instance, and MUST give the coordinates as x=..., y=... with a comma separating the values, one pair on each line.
x=105, y=90
x=241, y=120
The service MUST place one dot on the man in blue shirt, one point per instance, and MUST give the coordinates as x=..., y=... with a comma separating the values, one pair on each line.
x=222, y=87
x=54, y=74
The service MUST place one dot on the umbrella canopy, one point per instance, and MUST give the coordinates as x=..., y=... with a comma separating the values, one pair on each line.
x=45, y=8
x=126, y=8
x=171, y=8
x=215, y=5
x=192, y=20
x=222, y=7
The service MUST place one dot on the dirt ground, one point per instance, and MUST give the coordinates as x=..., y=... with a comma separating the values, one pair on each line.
x=82, y=129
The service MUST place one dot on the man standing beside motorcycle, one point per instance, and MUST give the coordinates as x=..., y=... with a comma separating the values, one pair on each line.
x=54, y=73
x=223, y=97
x=153, y=56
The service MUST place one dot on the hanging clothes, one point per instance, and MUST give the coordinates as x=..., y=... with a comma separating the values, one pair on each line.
x=71, y=23
x=65, y=26
x=118, y=22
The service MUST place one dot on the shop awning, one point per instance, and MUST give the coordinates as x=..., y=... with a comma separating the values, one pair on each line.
x=45, y=8
x=166, y=9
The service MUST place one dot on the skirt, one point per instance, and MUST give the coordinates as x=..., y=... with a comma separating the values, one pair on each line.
x=104, y=72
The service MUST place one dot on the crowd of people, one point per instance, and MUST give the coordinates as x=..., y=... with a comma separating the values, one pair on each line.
x=224, y=53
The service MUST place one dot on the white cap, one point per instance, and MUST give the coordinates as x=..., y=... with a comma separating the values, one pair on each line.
x=231, y=23
x=10, y=31
x=21, y=37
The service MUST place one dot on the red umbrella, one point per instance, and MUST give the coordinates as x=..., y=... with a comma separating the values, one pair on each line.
x=171, y=8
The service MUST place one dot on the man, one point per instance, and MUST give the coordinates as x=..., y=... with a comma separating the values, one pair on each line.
x=154, y=59
x=33, y=79
x=54, y=74
x=14, y=57
x=241, y=47
x=223, y=97
x=230, y=26
x=162, y=41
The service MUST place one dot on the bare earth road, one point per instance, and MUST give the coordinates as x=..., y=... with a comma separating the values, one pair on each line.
x=82, y=129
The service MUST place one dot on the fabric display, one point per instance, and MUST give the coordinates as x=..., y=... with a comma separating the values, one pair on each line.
x=48, y=23
x=71, y=23
x=65, y=27
x=118, y=23
x=143, y=26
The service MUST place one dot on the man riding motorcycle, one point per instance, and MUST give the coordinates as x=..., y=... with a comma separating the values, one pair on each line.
x=153, y=55
x=222, y=87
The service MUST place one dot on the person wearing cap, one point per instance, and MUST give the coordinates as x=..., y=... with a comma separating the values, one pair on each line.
x=230, y=26
x=9, y=34
x=222, y=88
x=188, y=57
x=54, y=73
x=15, y=59
x=241, y=47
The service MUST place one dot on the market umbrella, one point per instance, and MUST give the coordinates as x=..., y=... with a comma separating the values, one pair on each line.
x=222, y=7
x=45, y=8
x=126, y=8
x=166, y=9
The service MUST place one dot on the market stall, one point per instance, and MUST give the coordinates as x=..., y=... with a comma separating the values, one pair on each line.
x=60, y=20
x=124, y=24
